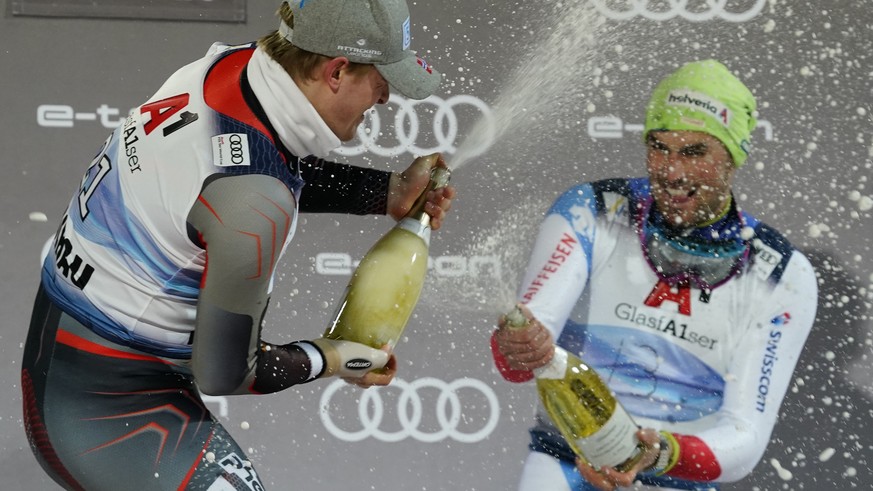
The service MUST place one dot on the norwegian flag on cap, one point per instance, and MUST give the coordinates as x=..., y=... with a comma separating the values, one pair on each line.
x=424, y=65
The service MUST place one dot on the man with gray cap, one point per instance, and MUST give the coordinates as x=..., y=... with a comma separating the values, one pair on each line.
x=157, y=281
x=691, y=310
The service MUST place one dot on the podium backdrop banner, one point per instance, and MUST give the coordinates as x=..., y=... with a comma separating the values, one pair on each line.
x=536, y=96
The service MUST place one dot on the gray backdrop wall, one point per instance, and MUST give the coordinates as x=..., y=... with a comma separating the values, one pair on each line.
x=538, y=95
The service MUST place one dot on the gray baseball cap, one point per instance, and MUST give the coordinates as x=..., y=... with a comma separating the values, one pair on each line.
x=375, y=32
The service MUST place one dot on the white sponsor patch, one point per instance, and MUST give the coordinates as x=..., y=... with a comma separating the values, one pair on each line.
x=701, y=103
x=766, y=260
x=615, y=205
x=230, y=150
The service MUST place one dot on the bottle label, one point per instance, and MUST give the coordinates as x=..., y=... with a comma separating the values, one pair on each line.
x=612, y=444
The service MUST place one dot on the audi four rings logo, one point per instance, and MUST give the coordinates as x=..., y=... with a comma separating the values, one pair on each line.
x=408, y=127
x=411, y=403
x=677, y=8
x=236, y=149
x=230, y=149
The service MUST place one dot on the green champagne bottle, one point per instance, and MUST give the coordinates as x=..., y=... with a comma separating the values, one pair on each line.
x=385, y=287
x=580, y=404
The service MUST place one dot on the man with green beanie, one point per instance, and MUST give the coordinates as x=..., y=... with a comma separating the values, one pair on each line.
x=691, y=310
x=705, y=96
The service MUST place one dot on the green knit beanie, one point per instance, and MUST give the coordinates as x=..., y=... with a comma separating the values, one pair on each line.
x=705, y=96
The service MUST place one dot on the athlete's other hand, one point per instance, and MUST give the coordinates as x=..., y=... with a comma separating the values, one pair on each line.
x=348, y=359
x=609, y=479
x=524, y=348
x=405, y=187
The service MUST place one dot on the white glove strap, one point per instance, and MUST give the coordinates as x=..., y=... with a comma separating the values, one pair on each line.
x=316, y=359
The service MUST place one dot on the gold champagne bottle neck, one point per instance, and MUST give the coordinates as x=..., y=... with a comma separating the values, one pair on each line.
x=439, y=177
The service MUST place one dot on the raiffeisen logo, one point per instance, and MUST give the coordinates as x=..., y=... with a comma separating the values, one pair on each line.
x=342, y=264
x=64, y=116
x=613, y=128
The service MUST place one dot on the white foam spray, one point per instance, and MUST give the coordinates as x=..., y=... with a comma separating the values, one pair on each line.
x=562, y=63
x=550, y=80
x=506, y=244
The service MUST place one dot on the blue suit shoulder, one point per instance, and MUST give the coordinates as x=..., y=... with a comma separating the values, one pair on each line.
x=635, y=190
x=594, y=196
x=591, y=193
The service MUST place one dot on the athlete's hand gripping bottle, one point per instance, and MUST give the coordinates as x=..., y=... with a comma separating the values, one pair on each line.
x=385, y=287
x=580, y=404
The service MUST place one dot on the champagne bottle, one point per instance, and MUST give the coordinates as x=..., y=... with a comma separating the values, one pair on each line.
x=385, y=287
x=580, y=404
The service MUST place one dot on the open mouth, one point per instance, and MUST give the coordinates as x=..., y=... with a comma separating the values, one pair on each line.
x=679, y=193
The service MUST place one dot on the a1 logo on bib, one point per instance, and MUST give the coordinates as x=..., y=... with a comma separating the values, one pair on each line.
x=230, y=150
